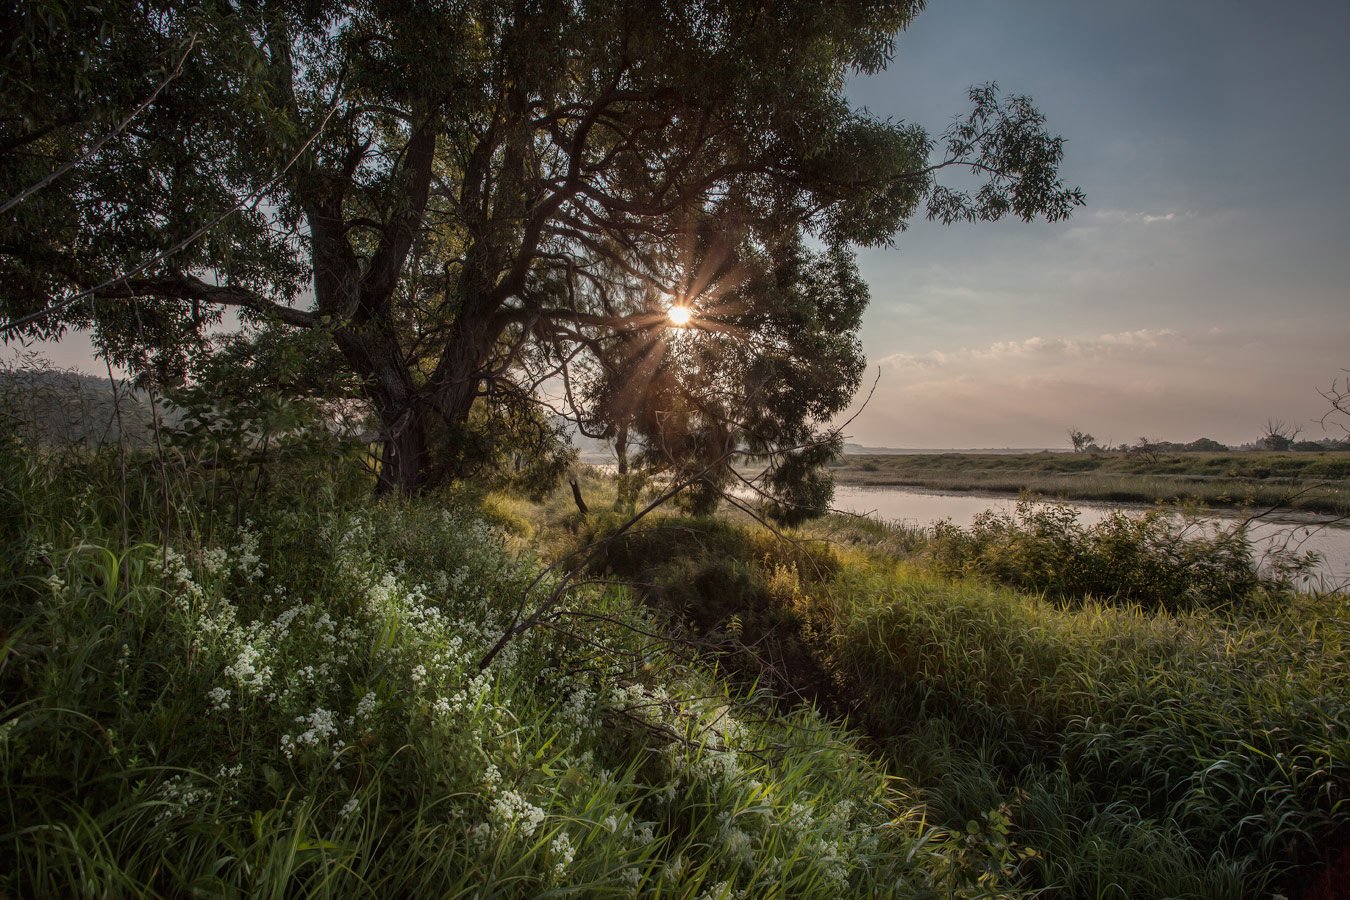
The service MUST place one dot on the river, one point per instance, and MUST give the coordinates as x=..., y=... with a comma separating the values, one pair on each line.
x=1331, y=542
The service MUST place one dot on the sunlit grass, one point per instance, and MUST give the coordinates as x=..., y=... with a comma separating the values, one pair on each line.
x=1170, y=750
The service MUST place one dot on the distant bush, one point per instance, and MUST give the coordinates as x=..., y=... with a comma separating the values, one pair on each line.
x=1160, y=560
x=66, y=409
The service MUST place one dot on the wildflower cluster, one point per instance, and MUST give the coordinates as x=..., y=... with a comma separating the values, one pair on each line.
x=179, y=794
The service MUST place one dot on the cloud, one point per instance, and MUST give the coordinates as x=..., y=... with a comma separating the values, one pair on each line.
x=1173, y=384
x=1138, y=341
x=1142, y=217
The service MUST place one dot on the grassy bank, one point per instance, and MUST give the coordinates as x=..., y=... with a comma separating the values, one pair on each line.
x=1316, y=482
x=1129, y=747
x=281, y=695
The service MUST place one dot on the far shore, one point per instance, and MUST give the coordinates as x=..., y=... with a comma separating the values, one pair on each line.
x=1312, y=482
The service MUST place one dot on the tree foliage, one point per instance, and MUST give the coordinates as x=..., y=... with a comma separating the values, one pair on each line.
x=1278, y=435
x=1081, y=440
x=483, y=202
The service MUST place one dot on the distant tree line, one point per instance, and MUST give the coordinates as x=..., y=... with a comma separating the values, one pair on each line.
x=1278, y=436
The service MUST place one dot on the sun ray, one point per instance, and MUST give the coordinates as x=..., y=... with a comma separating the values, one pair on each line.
x=643, y=373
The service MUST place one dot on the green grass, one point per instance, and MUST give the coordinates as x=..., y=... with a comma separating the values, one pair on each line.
x=1316, y=482
x=1196, y=748
x=288, y=703
x=1225, y=734
x=235, y=685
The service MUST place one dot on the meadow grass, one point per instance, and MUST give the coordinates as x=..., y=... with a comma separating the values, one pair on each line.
x=281, y=696
x=246, y=686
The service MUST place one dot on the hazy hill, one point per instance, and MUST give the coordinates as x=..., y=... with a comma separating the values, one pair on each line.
x=852, y=449
x=68, y=408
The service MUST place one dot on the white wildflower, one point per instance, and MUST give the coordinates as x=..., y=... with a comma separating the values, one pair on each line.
x=247, y=562
x=248, y=671
x=562, y=852
x=321, y=726
x=511, y=810
x=739, y=844
x=479, y=834
x=180, y=793
x=215, y=561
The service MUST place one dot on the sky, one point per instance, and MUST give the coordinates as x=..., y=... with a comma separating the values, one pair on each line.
x=1202, y=291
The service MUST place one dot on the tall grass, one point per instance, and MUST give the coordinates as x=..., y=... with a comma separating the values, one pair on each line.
x=1195, y=748
x=1226, y=736
x=288, y=703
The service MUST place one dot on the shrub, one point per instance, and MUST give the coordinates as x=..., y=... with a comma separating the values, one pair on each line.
x=1120, y=748
x=1161, y=559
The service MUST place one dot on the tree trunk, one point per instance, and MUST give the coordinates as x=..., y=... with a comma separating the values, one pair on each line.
x=404, y=461
x=625, y=498
x=455, y=383
x=576, y=494
x=402, y=410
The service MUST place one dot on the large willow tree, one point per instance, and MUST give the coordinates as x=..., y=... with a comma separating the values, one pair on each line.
x=494, y=202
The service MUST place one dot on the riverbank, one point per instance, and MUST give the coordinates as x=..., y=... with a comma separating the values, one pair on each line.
x=1314, y=482
x=1075, y=726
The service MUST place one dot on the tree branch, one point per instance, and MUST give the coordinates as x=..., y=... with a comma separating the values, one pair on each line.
x=190, y=287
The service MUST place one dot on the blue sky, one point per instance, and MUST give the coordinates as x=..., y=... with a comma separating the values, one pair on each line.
x=1203, y=289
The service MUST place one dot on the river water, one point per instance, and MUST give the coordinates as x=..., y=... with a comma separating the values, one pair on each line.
x=1331, y=542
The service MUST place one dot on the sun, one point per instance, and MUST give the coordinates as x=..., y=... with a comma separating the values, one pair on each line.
x=679, y=316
